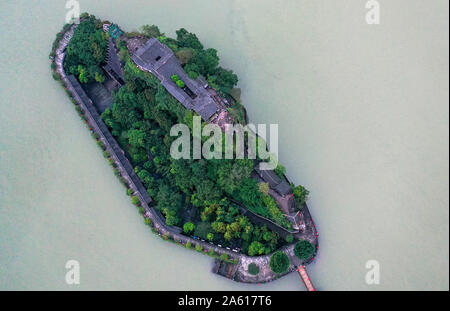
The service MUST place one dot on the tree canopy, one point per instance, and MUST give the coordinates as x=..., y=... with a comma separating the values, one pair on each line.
x=86, y=51
x=304, y=249
x=279, y=262
x=198, y=195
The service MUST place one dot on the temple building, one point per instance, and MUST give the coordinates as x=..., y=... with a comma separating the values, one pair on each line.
x=158, y=59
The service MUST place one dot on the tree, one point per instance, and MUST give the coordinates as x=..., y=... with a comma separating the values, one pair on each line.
x=255, y=248
x=135, y=200
x=300, y=194
x=151, y=31
x=253, y=269
x=223, y=80
x=83, y=74
x=99, y=77
x=185, y=55
x=219, y=227
x=206, y=62
x=202, y=229
x=303, y=249
x=188, y=227
x=192, y=74
x=180, y=84
x=87, y=49
x=187, y=39
x=136, y=138
x=279, y=262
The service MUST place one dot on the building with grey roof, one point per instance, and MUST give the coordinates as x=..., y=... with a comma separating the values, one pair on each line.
x=159, y=60
x=275, y=182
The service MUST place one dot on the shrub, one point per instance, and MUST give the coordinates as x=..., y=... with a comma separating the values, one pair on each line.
x=188, y=227
x=180, y=84
x=212, y=253
x=289, y=238
x=279, y=262
x=253, y=269
x=135, y=200
x=210, y=236
x=198, y=248
x=189, y=245
x=101, y=145
x=303, y=249
x=300, y=194
x=148, y=221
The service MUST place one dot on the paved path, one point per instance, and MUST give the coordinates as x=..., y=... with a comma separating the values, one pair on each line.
x=305, y=278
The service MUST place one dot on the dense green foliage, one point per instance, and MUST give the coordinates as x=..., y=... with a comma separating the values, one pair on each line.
x=86, y=51
x=151, y=31
x=304, y=249
x=195, y=191
x=300, y=194
x=279, y=262
x=188, y=227
x=253, y=269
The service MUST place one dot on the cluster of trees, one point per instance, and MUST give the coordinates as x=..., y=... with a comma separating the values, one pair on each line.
x=86, y=51
x=141, y=118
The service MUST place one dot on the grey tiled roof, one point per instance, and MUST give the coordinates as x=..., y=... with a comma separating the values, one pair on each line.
x=158, y=59
x=275, y=182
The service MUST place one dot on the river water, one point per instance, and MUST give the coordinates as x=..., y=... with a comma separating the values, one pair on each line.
x=363, y=117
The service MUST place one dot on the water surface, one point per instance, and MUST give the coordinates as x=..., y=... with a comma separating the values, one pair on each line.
x=363, y=115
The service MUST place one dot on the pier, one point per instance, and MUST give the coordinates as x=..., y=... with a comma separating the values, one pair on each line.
x=305, y=278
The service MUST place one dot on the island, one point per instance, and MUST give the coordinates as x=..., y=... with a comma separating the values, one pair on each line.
x=130, y=88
